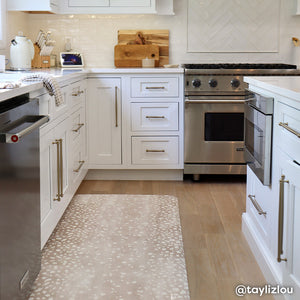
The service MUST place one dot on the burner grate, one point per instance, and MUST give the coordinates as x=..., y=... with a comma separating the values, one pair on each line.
x=239, y=66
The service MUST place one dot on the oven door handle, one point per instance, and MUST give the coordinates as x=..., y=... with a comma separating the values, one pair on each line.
x=188, y=101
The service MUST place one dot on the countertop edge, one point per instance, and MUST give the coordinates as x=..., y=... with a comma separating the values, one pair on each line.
x=276, y=85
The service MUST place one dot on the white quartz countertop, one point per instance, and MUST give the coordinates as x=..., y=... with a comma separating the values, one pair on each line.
x=66, y=74
x=287, y=86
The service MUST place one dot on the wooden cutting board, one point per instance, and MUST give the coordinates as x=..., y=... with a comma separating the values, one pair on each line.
x=152, y=37
x=130, y=56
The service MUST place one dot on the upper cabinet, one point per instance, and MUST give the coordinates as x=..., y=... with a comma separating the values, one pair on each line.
x=298, y=7
x=47, y=6
x=160, y=7
x=108, y=7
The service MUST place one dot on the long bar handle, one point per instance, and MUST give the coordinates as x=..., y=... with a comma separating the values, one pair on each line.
x=155, y=151
x=61, y=168
x=58, y=169
x=116, y=105
x=155, y=117
x=78, y=128
x=256, y=205
x=81, y=163
x=282, y=181
x=288, y=128
x=37, y=121
x=155, y=87
x=214, y=101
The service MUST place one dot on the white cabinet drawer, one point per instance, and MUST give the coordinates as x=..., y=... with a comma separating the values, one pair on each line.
x=78, y=163
x=77, y=125
x=288, y=130
x=155, y=150
x=152, y=87
x=77, y=93
x=258, y=203
x=154, y=116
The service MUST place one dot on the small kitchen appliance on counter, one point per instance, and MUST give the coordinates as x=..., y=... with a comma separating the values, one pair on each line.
x=214, y=115
x=21, y=53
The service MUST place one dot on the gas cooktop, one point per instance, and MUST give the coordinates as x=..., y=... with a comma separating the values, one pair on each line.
x=232, y=66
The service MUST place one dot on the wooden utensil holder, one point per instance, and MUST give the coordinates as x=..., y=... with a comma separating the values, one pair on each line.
x=39, y=61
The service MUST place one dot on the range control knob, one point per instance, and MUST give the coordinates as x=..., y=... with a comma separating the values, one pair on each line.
x=196, y=83
x=213, y=82
x=235, y=83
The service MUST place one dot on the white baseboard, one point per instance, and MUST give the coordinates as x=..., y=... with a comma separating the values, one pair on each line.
x=174, y=175
x=266, y=261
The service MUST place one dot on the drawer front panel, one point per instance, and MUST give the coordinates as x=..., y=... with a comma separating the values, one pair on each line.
x=155, y=150
x=258, y=202
x=77, y=94
x=288, y=130
x=77, y=126
x=154, y=87
x=154, y=116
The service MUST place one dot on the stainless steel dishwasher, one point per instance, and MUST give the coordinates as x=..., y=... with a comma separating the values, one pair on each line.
x=19, y=196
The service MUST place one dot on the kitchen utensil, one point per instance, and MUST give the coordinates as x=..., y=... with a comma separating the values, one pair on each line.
x=132, y=55
x=21, y=53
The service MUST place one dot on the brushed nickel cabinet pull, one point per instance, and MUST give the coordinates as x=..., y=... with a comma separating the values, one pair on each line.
x=155, y=87
x=288, y=128
x=81, y=163
x=116, y=105
x=78, y=128
x=155, y=151
x=282, y=181
x=155, y=117
x=58, y=169
x=256, y=205
x=61, y=168
x=76, y=94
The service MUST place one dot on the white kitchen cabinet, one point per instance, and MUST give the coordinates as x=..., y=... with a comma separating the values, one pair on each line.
x=156, y=121
x=298, y=7
x=104, y=121
x=50, y=6
x=258, y=205
x=287, y=131
x=108, y=7
x=62, y=147
x=290, y=227
x=154, y=116
x=155, y=150
x=54, y=175
x=276, y=243
x=154, y=87
x=87, y=3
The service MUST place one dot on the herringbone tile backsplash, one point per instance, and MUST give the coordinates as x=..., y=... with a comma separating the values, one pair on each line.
x=233, y=25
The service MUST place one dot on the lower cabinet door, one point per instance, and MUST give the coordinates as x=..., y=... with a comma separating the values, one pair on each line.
x=290, y=187
x=155, y=150
x=54, y=179
x=104, y=121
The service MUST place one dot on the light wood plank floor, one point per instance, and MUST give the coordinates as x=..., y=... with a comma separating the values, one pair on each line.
x=217, y=255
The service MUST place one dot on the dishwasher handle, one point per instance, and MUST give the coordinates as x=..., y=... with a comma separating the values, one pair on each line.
x=8, y=138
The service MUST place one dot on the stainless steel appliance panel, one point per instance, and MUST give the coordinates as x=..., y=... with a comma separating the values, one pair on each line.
x=19, y=198
x=214, y=130
x=258, y=136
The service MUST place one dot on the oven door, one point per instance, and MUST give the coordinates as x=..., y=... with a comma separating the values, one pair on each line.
x=258, y=142
x=214, y=130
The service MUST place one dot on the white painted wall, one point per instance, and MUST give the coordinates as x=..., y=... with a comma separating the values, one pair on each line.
x=95, y=36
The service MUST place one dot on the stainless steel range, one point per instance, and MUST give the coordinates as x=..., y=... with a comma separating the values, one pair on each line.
x=214, y=115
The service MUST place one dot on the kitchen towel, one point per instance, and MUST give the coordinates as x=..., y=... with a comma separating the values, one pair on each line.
x=50, y=84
